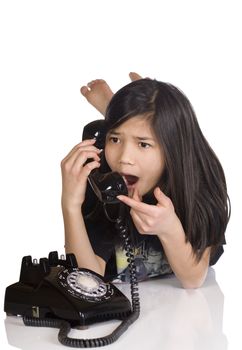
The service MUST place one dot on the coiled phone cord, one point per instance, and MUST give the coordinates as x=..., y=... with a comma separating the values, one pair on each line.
x=65, y=326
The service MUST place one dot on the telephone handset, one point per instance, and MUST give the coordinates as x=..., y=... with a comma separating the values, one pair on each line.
x=56, y=293
x=106, y=185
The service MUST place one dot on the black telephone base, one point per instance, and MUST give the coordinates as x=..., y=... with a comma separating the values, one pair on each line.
x=56, y=288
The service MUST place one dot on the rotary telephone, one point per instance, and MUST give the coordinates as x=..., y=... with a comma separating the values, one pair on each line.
x=54, y=292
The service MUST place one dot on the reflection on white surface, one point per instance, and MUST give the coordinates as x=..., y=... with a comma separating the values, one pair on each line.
x=171, y=318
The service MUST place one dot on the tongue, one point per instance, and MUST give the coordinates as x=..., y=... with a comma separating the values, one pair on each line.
x=131, y=179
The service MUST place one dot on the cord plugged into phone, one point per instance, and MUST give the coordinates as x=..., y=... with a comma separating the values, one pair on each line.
x=54, y=292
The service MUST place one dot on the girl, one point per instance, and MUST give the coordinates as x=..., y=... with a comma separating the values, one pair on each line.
x=176, y=188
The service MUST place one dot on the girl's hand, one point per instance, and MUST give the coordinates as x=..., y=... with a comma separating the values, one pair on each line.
x=159, y=219
x=75, y=172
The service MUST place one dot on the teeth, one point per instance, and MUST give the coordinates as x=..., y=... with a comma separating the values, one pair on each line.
x=125, y=180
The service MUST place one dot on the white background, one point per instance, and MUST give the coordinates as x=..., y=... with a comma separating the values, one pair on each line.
x=50, y=48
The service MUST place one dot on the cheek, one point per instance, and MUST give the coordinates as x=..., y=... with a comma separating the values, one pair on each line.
x=160, y=164
x=155, y=162
x=155, y=170
x=159, y=171
x=109, y=156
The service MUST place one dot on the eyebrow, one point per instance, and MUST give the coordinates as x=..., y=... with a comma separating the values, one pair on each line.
x=112, y=132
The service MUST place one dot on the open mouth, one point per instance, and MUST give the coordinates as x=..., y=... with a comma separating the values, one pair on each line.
x=130, y=180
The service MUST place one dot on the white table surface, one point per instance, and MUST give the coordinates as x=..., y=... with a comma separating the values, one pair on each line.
x=171, y=318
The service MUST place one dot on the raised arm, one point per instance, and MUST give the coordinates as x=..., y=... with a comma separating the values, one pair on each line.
x=74, y=182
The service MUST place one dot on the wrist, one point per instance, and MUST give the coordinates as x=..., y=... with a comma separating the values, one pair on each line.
x=70, y=207
x=172, y=231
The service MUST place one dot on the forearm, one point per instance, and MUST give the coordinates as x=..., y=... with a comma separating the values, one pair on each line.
x=182, y=260
x=161, y=220
x=77, y=241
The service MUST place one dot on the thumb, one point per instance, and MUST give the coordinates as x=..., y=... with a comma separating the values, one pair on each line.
x=162, y=199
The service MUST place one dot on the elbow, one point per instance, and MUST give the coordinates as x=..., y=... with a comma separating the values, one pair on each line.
x=195, y=280
x=191, y=285
x=194, y=283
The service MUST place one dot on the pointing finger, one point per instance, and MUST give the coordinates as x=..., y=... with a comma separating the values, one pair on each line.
x=136, y=204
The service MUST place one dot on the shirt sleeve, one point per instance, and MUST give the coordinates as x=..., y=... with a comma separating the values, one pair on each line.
x=217, y=252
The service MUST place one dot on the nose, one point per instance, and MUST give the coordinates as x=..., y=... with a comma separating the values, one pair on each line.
x=126, y=155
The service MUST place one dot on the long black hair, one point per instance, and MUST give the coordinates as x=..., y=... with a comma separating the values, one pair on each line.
x=193, y=177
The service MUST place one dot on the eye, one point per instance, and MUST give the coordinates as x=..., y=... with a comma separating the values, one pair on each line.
x=144, y=145
x=114, y=139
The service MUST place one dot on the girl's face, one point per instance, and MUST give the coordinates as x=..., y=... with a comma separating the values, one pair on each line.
x=132, y=149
